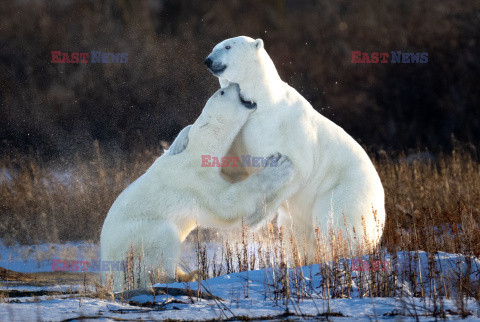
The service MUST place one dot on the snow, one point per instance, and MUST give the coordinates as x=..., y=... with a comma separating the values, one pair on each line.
x=38, y=258
x=248, y=294
x=58, y=309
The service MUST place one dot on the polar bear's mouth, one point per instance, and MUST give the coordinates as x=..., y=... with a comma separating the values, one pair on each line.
x=248, y=104
x=218, y=69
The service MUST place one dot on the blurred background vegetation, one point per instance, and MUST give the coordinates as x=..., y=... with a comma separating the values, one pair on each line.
x=73, y=136
x=60, y=109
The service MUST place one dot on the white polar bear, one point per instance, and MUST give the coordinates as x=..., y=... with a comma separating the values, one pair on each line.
x=157, y=211
x=335, y=181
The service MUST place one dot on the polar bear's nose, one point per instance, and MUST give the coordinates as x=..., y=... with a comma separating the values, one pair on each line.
x=208, y=62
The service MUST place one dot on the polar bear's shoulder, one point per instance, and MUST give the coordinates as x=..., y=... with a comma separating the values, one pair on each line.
x=295, y=106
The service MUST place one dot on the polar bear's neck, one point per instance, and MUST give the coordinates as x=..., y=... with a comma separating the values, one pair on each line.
x=210, y=137
x=262, y=82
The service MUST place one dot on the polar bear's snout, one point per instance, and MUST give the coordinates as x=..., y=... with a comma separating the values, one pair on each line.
x=208, y=62
x=214, y=66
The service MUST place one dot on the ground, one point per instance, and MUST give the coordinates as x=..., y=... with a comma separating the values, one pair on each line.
x=60, y=296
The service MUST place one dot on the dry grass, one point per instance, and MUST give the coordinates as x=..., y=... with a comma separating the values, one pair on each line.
x=58, y=202
x=431, y=204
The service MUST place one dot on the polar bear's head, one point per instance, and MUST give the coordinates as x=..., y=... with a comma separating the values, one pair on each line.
x=233, y=59
x=219, y=123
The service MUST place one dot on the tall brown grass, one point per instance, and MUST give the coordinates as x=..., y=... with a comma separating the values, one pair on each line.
x=54, y=202
x=430, y=204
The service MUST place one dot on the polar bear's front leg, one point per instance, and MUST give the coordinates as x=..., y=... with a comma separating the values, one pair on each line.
x=254, y=198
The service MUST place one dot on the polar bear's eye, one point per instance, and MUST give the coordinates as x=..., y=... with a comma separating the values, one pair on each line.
x=222, y=92
x=227, y=47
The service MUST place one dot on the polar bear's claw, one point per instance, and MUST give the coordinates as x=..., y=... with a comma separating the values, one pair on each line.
x=273, y=159
x=277, y=172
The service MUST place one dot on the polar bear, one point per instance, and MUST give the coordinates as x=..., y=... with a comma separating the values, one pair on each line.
x=157, y=211
x=335, y=184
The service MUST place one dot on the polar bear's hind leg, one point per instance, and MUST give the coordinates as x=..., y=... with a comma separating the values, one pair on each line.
x=161, y=248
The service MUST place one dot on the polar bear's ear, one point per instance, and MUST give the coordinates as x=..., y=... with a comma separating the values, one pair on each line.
x=259, y=43
x=180, y=142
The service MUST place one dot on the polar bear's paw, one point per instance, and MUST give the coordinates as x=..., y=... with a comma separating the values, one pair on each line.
x=278, y=172
x=183, y=277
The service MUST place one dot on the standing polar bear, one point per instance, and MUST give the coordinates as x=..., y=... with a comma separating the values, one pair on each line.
x=157, y=211
x=335, y=182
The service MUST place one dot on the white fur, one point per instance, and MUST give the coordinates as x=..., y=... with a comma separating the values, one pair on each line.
x=333, y=174
x=157, y=211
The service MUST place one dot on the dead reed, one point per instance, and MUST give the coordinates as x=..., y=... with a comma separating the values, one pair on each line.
x=432, y=204
x=432, y=207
